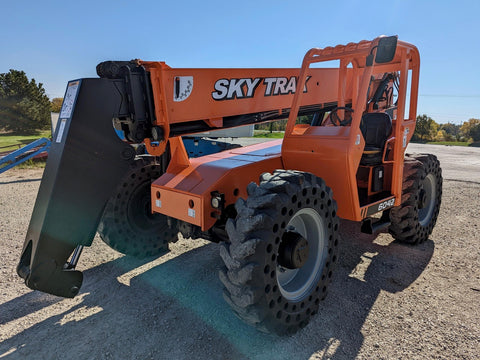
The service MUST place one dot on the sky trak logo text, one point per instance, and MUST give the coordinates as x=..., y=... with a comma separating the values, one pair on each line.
x=228, y=89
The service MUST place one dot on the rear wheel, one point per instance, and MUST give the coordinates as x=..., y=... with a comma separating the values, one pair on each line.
x=128, y=224
x=414, y=219
x=282, y=251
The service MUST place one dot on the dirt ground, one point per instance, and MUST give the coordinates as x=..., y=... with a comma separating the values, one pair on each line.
x=387, y=301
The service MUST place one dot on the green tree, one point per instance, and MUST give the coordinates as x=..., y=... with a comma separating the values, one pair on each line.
x=471, y=129
x=56, y=105
x=452, y=131
x=426, y=128
x=475, y=133
x=24, y=106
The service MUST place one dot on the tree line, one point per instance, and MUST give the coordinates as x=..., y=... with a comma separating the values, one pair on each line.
x=426, y=130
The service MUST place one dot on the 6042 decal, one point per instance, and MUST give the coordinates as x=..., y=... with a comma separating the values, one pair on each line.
x=386, y=204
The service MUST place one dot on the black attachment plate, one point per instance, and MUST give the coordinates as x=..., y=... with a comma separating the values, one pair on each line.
x=85, y=163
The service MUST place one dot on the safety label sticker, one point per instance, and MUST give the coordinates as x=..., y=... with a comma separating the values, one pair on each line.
x=61, y=129
x=69, y=100
x=405, y=134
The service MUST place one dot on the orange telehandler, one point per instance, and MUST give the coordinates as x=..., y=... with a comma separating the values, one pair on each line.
x=274, y=206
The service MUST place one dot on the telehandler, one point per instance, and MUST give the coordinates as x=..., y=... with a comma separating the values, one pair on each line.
x=274, y=206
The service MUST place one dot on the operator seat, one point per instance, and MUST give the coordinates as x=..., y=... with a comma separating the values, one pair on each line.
x=376, y=128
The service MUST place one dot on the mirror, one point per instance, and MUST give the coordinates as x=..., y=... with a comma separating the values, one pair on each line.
x=386, y=49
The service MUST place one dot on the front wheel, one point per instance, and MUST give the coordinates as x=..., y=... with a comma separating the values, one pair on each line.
x=128, y=224
x=282, y=251
x=414, y=219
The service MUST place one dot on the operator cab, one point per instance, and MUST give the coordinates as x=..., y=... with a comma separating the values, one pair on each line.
x=375, y=128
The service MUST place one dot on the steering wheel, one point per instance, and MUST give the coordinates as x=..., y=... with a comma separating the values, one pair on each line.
x=335, y=119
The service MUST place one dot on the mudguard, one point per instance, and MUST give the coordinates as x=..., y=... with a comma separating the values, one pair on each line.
x=86, y=162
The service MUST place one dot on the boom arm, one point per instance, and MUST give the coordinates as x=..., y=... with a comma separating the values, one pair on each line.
x=189, y=101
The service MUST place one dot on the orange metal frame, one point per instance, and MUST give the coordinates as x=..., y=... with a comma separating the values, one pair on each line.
x=333, y=153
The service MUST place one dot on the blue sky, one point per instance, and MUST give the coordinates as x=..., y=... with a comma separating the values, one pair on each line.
x=55, y=41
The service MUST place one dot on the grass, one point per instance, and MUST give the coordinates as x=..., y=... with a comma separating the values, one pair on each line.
x=32, y=164
x=451, y=143
x=268, y=134
x=10, y=142
x=279, y=135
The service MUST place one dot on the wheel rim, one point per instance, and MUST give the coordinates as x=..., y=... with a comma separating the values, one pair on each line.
x=296, y=284
x=425, y=214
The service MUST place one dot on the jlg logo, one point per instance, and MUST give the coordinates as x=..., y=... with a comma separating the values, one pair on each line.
x=228, y=89
x=386, y=204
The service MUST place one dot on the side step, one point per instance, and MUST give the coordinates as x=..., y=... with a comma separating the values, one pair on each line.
x=371, y=226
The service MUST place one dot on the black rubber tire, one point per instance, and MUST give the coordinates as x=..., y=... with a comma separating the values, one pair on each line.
x=410, y=224
x=252, y=287
x=127, y=224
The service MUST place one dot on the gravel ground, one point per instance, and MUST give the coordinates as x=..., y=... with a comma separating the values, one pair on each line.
x=387, y=301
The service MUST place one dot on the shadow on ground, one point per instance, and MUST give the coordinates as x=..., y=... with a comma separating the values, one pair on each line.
x=175, y=310
x=19, y=181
